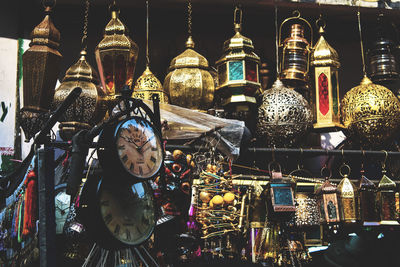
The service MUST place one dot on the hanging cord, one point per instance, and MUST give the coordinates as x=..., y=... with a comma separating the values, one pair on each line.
x=85, y=26
x=276, y=41
x=189, y=17
x=147, y=34
x=361, y=41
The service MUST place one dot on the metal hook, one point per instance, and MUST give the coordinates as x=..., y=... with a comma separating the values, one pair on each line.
x=296, y=13
x=320, y=22
x=384, y=161
x=344, y=165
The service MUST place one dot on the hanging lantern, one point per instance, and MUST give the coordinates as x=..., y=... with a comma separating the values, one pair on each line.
x=327, y=200
x=366, y=201
x=383, y=66
x=147, y=84
x=238, y=71
x=295, y=52
x=371, y=113
x=89, y=108
x=347, y=193
x=116, y=57
x=284, y=116
x=325, y=61
x=40, y=69
x=386, y=200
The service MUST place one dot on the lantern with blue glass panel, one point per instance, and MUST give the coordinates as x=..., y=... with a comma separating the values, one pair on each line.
x=238, y=78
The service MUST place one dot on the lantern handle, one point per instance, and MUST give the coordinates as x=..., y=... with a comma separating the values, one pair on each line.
x=326, y=168
x=48, y=4
x=320, y=22
x=238, y=18
x=343, y=168
x=296, y=16
x=384, y=161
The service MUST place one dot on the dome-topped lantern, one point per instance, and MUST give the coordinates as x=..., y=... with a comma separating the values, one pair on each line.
x=189, y=82
x=325, y=61
x=238, y=71
x=116, y=57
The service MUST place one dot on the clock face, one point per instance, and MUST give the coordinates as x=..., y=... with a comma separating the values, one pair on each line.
x=127, y=211
x=139, y=148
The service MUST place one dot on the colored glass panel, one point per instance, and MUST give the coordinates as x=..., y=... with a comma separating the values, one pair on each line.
x=251, y=71
x=283, y=196
x=235, y=70
x=323, y=94
x=335, y=100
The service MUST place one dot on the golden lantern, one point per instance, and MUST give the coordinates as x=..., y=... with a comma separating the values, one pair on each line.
x=189, y=82
x=386, y=200
x=347, y=193
x=40, y=69
x=238, y=71
x=370, y=112
x=116, y=57
x=147, y=84
x=327, y=201
x=89, y=108
x=366, y=201
x=325, y=61
x=295, y=52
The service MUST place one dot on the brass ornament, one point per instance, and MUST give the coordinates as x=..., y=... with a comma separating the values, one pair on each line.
x=371, y=113
x=284, y=116
x=189, y=83
x=347, y=193
x=40, y=69
x=325, y=62
x=89, y=108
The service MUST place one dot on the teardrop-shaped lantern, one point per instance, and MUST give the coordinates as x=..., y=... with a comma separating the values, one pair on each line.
x=284, y=116
x=189, y=83
x=40, y=69
x=89, y=108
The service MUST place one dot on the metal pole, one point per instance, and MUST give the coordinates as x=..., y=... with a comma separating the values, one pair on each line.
x=47, y=224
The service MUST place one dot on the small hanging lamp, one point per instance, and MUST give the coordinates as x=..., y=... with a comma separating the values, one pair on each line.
x=116, y=57
x=40, y=68
x=325, y=61
x=296, y=51
x=147, y=84
x=370, y=112
x=347, y=193
x=366, y=201
x=327, y=201
x=238, y=71
x=189, y=82
x=89, y=108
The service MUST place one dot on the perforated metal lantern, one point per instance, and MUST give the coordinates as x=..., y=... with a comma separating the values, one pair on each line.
x=284, y=116
x=116, y=56
x=40, y=69
x=371, y=114
x=89, y=108
x=189, y=83
x=325, y=62
x=147, y=85
x=238, y=71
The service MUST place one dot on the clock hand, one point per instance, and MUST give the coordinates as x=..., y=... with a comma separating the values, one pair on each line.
x=129, y=140
x=148, y=140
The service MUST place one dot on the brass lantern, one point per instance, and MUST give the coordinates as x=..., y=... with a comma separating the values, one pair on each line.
x=347, y=193
x=295, y=52
x=386, y=200
x=325, y=61
x=189, y=83
x=366, y=201
x=40, y=69
x=116, y=57
x=327, y=200
x=89, y=108
x=238, y=71
x=370, y=113
x=284, y=116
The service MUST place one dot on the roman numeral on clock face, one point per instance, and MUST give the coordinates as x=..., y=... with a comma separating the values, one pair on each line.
x=108, y=218
x=131, y=167
x=128, y=234
x=124, y=158
x=117, y=229
x=153, y=159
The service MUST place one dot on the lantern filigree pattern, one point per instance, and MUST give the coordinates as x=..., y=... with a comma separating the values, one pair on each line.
x=283, y=117
x=371, y=113
x=189, y=83
x=348, y=199
x=147, y=85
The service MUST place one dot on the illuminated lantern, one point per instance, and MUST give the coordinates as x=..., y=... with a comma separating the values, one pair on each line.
x=386, y=201
x=325, y=61
x=295, y=52
x=40, y=71
x=327, y=200
x=116, y=57
x=347, y=193
x=238, y=71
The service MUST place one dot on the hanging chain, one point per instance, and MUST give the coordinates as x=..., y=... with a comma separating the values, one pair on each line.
x=276, y=41
x=361, y=41
x=147, y=34
x=85, y=26
x=190, y=17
